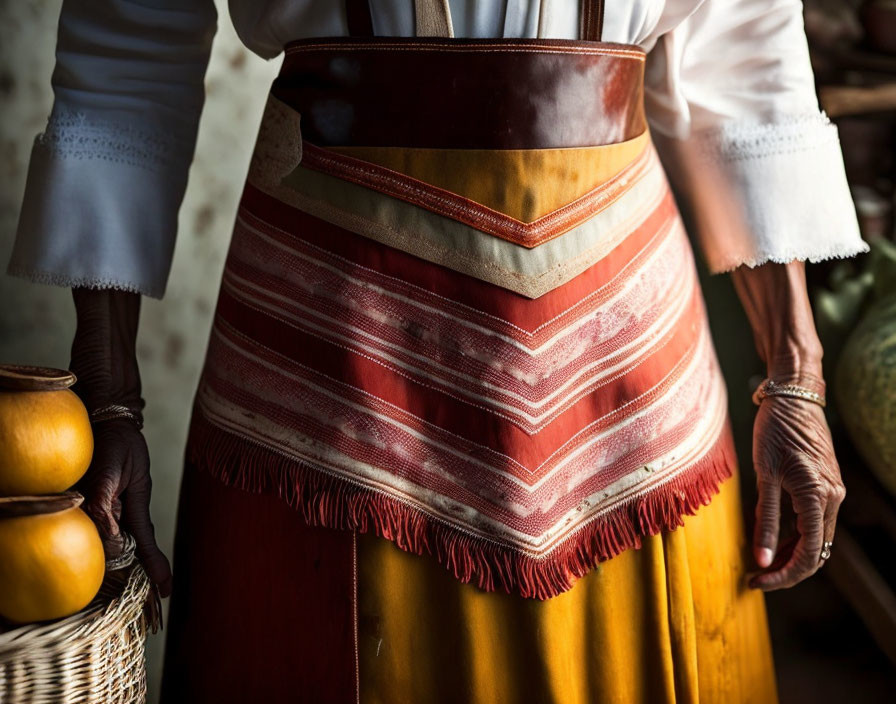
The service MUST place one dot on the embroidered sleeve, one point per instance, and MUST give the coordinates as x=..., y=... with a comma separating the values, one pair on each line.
x=732, y=102
x=107, y=176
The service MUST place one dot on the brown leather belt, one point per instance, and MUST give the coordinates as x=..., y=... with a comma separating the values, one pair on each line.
x=452, y=93
x=464, y=93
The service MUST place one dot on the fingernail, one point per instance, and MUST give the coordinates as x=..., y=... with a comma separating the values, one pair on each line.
x=764, y=557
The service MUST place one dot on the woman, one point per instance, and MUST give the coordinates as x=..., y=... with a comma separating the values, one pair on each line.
x=461, y=434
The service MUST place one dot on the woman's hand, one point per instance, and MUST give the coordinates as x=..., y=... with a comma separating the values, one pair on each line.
x=117, y=485
x=792, y=448
x=793, y=452
x=117, y=489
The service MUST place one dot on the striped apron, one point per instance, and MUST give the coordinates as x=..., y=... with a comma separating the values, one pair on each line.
x=460, y=310
x=459, y=360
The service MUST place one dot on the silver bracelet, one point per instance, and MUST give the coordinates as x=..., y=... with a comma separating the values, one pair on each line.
x=115, y=410
x=773, y=388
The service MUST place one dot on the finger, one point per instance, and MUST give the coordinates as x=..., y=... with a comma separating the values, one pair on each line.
x=101, y=495
x=768, y=521
x=116, y=508
x=136, y=518
x=830, y=520
x=805, y=560
x=99, y=507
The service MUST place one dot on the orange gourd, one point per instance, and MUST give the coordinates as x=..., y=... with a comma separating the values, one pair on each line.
x=51, y=557
x=46, y=442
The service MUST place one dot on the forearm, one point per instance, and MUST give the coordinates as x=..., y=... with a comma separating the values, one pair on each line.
x=792, y=448
x=117, y=486
x=776, y=301
x=104, y=347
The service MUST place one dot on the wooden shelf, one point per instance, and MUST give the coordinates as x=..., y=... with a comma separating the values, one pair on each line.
x=842, y=100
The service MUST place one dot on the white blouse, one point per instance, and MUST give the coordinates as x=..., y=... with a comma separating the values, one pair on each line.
x=106, y=178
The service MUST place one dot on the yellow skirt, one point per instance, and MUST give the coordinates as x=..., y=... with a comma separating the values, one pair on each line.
x=267, y=608
x=670, y=622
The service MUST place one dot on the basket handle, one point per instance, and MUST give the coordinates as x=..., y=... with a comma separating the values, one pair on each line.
x=152, y=609
x=127, y=555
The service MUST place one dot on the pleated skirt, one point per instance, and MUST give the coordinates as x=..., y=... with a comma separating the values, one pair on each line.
x=268, y=609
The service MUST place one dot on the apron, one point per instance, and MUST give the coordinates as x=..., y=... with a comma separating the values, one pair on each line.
x=460, y=360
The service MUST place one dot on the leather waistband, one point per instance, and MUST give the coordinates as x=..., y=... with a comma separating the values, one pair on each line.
x=464, y=94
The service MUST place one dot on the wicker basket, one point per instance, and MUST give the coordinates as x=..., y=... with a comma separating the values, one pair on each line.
x=96, y=655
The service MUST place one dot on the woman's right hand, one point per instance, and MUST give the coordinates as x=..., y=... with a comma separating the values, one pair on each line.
x=117, y=489
x=117, y=486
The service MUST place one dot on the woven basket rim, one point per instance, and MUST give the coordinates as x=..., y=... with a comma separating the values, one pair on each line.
x=105, y=614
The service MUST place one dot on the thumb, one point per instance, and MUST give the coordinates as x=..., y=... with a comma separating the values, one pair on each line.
x=768, y=522
x=98, y=503
x=136, y=518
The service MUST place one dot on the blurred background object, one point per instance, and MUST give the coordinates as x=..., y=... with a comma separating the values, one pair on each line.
x=865, y=374
x=879, y=21
x=831, y=23
x=833, y=635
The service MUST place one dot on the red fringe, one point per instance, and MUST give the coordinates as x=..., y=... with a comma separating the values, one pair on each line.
x=326, y=500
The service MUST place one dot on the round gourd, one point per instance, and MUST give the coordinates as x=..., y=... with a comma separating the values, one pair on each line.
x=51, y=558
x=865, y=388
x=46, y=442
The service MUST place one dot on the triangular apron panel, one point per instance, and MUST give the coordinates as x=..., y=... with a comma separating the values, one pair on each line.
x=530, y=259
x=482, y=127
x=522, y=184
x=460, y=310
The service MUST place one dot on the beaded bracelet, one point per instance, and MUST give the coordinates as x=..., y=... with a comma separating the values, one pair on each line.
x=115, y=410
x=772, y=388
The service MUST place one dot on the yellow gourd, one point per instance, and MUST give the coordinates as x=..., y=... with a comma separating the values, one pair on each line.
x=51, y=558
x=46, y=442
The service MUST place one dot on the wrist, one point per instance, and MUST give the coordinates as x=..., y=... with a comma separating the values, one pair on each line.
x=104, y=348
x=792, y=366
x=776, y=301
x=789, y=345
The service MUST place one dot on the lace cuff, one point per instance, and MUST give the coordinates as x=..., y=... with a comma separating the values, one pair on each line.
x=100, y=205
x=73, y=135
x=787, y=182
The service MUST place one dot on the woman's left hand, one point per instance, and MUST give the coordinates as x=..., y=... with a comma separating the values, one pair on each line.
x=793, y=452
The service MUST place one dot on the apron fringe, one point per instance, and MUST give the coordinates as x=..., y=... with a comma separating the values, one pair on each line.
x=331, y=501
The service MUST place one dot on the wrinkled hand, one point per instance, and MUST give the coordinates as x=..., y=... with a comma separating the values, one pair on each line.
x=117, y=485
x=117, y=489
x=793, y=452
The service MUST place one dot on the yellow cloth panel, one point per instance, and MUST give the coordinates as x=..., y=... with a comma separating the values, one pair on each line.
x=522, y=183
x=671, y=622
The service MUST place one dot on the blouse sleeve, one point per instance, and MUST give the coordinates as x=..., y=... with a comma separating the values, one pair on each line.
x=731, y=97
x=107, y=176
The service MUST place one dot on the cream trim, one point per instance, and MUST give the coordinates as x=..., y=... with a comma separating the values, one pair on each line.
x=531, y=272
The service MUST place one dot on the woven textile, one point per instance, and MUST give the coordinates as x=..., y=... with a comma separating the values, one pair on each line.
x=520, y=400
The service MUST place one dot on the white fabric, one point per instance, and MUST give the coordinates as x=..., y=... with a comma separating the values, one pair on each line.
x=728, y=79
